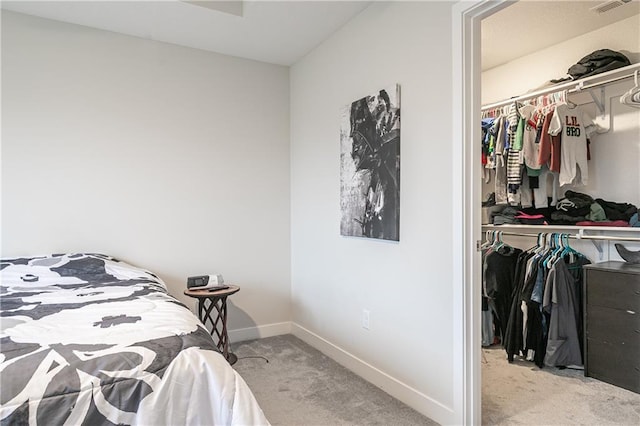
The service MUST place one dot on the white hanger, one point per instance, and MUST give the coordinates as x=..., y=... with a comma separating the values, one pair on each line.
x=565, y=99
x=632, y=97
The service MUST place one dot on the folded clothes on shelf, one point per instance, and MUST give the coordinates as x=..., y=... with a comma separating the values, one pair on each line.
x=575, y=208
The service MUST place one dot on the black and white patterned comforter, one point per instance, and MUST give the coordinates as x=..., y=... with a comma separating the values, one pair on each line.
x=87, y=339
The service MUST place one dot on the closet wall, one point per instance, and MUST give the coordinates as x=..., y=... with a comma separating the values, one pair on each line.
x=613, y=170
x=528, y=72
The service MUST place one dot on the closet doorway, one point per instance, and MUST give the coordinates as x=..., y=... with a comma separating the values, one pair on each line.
x=516, y=37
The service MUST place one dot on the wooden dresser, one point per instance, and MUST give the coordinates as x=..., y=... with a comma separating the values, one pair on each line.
x=612, y=323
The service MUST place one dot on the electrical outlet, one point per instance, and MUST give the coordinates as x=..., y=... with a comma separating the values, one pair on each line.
x=365, y=319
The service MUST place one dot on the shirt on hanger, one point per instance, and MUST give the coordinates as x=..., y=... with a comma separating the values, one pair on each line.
x=529, y=146
x=549, y=152
x=574, y=125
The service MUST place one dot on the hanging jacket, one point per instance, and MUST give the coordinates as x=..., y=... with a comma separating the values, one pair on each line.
x=499, y=282
x=562, y=301
x=513, y=341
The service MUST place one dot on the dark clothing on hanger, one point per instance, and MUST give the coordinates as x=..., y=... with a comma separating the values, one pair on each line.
x=513, y=339
x=535, y=307
x=536, y=327
x=499, y=283
x=562, y=299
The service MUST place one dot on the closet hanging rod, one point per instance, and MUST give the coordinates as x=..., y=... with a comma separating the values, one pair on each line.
x=574, y=86
x=606, y=238
x=573, y=236
x=522, y=234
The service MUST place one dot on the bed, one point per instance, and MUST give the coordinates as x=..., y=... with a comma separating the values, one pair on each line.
x=88, y=339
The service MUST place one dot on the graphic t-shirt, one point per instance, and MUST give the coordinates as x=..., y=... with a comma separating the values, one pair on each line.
x=530, y=146
x=573, y=125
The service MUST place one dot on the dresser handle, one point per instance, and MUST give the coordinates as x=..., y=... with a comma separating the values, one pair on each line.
x=631, y=312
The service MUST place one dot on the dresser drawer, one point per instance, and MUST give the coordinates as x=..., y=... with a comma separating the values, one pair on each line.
x=614, y=326
x=613, y=290
x=613, y=364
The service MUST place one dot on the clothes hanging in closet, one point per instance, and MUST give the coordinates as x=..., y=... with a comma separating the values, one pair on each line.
x=529, y=146
x=499, y=152
x=563, y=302
x=549, y=151
x=516, y=332
x=575, y=126
x=498, y=270
x=545, y=314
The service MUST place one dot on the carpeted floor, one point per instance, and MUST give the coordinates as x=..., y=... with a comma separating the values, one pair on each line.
x=522, y=394
x=301, y=386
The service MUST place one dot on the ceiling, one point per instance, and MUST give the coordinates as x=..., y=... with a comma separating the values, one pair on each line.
x=279, y=32
x=531, y=25
x=282, y=32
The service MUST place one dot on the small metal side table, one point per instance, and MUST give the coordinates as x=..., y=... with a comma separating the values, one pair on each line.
x=212, y=307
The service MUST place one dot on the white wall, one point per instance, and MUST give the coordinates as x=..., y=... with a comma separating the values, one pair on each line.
x=533, y=70
x=407, y=286
x=614, y=174
x=170, y=158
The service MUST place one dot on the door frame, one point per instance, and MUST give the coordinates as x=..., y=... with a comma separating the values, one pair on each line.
x=466, y=179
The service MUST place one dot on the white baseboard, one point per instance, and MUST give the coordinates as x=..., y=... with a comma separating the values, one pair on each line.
x=259, y=332
x=399, y=390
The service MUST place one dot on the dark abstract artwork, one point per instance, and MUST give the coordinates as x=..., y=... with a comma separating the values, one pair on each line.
x=370, y=166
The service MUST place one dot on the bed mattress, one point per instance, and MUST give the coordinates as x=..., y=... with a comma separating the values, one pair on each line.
x=88, y=339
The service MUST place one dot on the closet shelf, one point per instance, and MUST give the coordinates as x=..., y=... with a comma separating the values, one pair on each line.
x=579, y=232
x=574, y=86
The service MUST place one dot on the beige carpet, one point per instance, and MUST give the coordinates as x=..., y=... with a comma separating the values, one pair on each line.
x=301, y=386
x=522, y=394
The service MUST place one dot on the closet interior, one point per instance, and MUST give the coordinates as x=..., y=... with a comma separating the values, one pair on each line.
x=561, y=191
